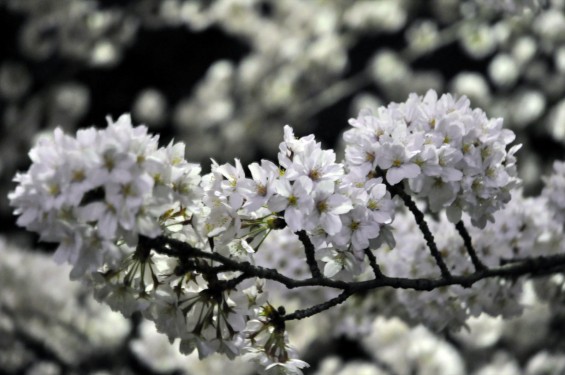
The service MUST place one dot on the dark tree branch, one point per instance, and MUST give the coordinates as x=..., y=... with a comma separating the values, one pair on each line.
x=533, y=266
x=305, y=313
x=419, y=216
x=373, y=263
x=509, y=269
x=479, y=266
x=181, y=250
x=309, y=250
x=232, y=283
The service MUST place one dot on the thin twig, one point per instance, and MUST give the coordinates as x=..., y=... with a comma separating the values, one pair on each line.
x=373, y=263
x=232, y=283
x=305, y=313
x=479, y=266
x=309, y=250
x=331, y=95
x=420, y=220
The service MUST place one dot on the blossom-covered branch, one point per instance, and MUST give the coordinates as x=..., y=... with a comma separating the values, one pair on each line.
x=149, y=233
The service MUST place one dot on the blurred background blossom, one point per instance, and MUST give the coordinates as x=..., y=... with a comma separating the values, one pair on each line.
x=224, y=77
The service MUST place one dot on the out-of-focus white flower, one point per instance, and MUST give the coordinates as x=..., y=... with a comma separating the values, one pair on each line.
x=423, y=36
x=150, y=107
x=334, y=366
x=524, y=50
x=550, y=26
x=545, y=363
x=386, y=15
x=528, y=106
x=15, y=80
x=559, y=58
x=502, y=364
x=483, y=331
x=478, y=40
x=503, y=70
x=556, y=121
x=40, y=301
x=472, y=85
x=388, y=68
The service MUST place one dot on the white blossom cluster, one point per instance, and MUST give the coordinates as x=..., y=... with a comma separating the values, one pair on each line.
x=341, y=209
x=102, y=186
x=452, y=156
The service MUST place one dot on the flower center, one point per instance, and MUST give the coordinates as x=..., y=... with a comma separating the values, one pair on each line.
x=314, y=174
x=322, y=206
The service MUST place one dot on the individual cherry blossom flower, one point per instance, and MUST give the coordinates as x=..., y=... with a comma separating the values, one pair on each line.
x=361, y=150
x=223, y=219
x=185, y=183
x=261, y=187
x=439, y=193
x=380, y=205
x=357, y=229
x=292, y=146
x=395, y=160
x=129, y=194
x=95, y=252
x=107, y=217
x=234, y=185
x=295, y=200
x=447, y=159
x=337, y=260
x=241, y=249
x=328, y=206
x=316, y=164
x=117, y=166
x=428, y=161
x=448, y=131
x=359, y=178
